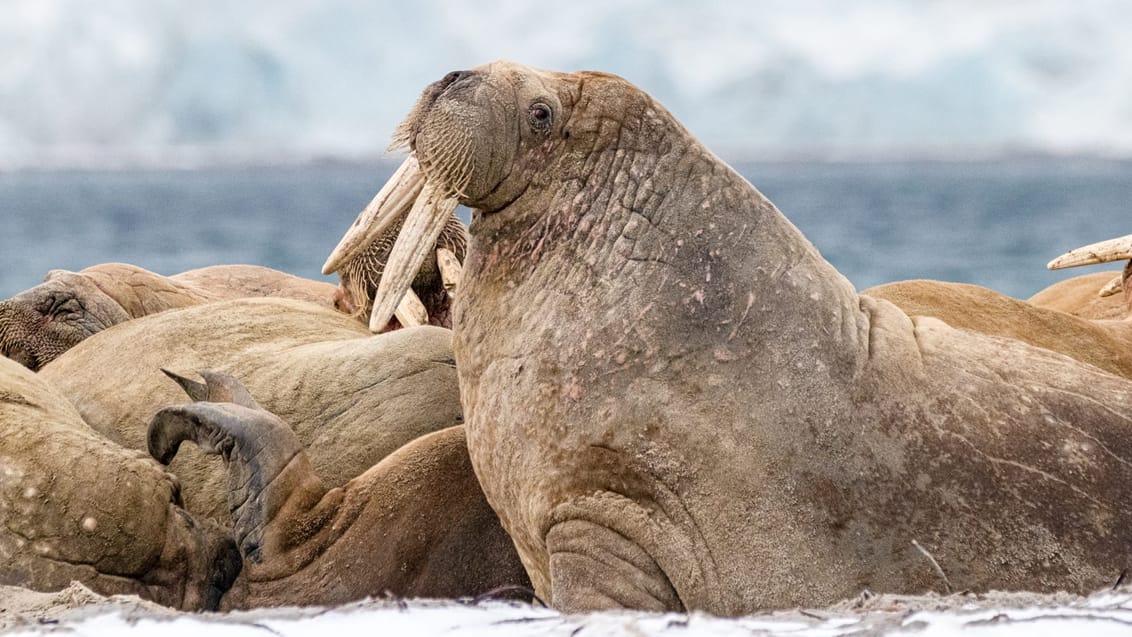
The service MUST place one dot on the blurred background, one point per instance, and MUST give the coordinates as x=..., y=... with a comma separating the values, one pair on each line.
x=965, y=140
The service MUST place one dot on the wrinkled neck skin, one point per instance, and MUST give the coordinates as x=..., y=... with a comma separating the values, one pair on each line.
x=651, y=274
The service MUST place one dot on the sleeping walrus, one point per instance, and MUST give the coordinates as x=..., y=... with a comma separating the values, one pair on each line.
x=41, y=323
x=673, y=402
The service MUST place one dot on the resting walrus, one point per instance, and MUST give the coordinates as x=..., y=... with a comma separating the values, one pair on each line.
x=352, y=397
x=76, y=507
x=416, y=524
x=674, y=402
x=41, y=323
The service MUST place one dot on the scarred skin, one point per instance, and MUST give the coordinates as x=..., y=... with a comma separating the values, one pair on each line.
x=673, y=402
x=39, y=324
x=1104, y=343
x=414, y=525
x=76, y=507
x=353, y=398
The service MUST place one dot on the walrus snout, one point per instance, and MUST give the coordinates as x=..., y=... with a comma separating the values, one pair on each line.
x=451, y=84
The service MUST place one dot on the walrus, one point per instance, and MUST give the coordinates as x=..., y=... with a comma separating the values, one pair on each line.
x=1104, y=343
x=414, y=525
x=76, y=507
x=40, y=323
x=675, y=403
x=352, y=397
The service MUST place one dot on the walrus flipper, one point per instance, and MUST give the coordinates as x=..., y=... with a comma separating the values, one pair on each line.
x=268, y=469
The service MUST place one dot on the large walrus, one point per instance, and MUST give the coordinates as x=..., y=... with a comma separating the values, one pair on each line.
x=674, y=402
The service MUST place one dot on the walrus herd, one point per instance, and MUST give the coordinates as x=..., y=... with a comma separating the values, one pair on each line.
x=655, y=394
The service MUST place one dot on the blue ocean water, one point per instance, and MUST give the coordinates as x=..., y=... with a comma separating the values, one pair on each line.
x=991, y=223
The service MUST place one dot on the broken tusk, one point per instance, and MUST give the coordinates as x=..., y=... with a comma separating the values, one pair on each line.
x=394, y=199
x=1115, y=286
x=411, y=311
x=450, y=270
x=1100, y=252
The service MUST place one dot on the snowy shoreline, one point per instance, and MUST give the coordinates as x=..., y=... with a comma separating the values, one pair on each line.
x=76, y=610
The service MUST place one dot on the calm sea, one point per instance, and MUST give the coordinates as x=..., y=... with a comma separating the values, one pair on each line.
x=991, y=223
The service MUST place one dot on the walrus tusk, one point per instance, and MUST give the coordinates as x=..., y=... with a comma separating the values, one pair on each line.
x=411, y=311
x=1114, y=286
x=1100, y=252
x=393, y=200
x=418, y=236
x=450, y=270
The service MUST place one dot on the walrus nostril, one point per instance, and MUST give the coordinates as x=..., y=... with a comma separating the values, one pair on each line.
x=455, y=78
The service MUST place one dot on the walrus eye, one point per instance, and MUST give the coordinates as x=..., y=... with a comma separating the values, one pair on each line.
x=540, y=116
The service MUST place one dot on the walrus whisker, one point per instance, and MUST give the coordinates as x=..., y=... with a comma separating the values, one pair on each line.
x=1120, y=579
x=935, y=565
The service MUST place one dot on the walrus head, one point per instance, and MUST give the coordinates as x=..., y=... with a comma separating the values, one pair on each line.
x=480, y=138
x=39, y=324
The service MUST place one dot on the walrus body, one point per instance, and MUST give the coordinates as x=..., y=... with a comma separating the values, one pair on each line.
x=414, y=525
x=673, y=402
x=76, y=507
x=353, y=398
x=1104, y=343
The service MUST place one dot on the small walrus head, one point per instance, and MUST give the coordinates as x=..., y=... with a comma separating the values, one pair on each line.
x=483, y=138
